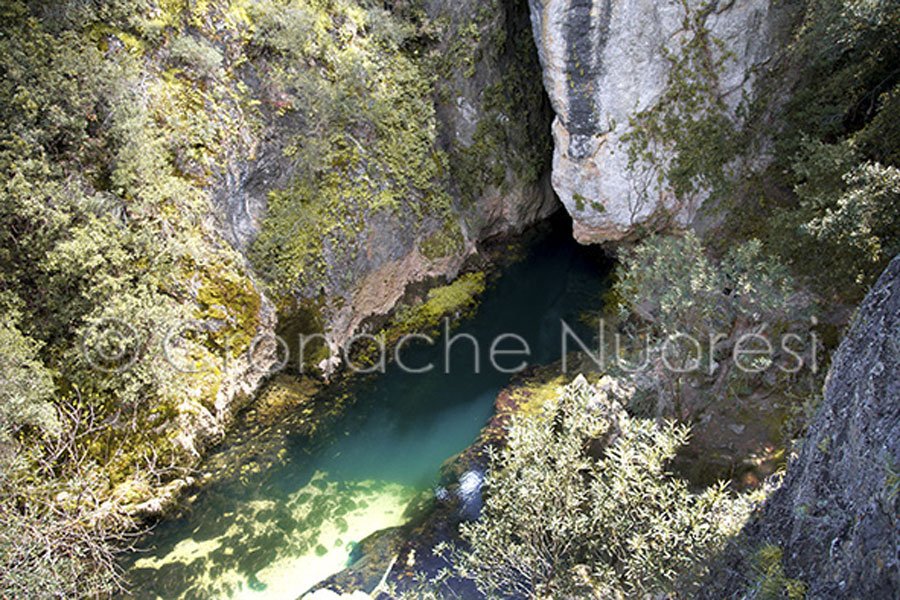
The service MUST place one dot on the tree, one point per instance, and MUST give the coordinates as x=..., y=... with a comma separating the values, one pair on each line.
x=26, y=386
x=858, y=222
x=578, y=502
x=840, y=147
x=691, y=309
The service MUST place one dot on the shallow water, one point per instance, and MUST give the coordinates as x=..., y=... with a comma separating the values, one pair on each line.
x=275, y=534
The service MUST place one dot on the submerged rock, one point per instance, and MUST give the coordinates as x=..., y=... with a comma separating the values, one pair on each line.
x=469, y=494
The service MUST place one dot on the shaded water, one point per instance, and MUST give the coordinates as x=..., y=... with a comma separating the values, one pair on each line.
x=275, y=534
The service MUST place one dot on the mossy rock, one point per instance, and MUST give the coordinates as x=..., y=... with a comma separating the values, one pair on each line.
x=230, y=299
x=455, y=300
x=447, y=241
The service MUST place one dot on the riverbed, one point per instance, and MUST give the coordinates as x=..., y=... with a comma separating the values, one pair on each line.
x=274, y=534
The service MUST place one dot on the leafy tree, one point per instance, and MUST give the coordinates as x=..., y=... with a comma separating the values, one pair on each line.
x=864, y=218
x=563, y=518
x=850, y=210
x=26, y=386
x=840, y=146
x=692, y=309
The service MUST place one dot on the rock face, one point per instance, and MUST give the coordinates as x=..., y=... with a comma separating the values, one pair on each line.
x=494, y=134
x=836, y=517
x=496, y=57
x=605, y=62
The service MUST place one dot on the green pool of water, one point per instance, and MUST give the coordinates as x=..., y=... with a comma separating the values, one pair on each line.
x=276, y=533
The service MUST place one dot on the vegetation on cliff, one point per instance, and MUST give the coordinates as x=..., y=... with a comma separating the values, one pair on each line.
x=840, y=146
x=106, y=154
x=829, y=104
x=354, y=75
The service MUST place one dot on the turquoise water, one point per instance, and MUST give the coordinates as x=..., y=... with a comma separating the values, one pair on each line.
x=275, y=533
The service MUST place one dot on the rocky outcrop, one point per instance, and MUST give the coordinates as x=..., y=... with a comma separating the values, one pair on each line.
x=835, y=518
x=493, y=132
x=606, y=63
x=493, y=115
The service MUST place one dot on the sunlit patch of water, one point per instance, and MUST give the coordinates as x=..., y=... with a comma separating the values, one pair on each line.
x=315, y=529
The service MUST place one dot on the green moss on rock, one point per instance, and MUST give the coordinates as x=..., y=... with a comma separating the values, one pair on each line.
x=455, y=300
x=447, y=241
x=231, y=300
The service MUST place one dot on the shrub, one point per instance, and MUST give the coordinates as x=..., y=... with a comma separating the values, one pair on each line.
x=675, y=288
x=561, y=519
x=857, y=222
x=196, y=54
x=26, y=386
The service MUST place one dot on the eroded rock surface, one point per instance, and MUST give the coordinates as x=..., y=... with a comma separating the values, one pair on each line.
x=493, y=132
x=835, y=518
x=607, y=61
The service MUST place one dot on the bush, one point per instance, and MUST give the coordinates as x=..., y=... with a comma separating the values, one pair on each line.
x=851, y=212
x=840, y=147
x=564, y=520
x=196, y=54
x=865, y=218
x=675, y=288
x=26, y=386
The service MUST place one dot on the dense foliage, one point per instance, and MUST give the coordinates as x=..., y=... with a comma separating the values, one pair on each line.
x=839, y=145
x=684, y=313
x=104, y=245
x=566, y=515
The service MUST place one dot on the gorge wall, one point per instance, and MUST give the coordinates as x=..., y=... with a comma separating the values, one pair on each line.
x=465, y=158
x=640, y=89
x=834, y=519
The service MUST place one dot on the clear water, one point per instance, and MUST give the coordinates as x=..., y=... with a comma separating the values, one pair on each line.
x=276, y=533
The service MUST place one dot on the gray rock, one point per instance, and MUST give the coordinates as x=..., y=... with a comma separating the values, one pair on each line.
x=835, y=517
x=368, y=270
x=605, y=61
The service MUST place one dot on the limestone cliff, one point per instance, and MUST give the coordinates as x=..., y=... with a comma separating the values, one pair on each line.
x=835, y=518
x=473, y=164
x=617, y=70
